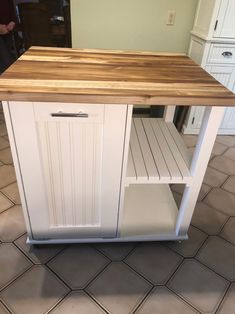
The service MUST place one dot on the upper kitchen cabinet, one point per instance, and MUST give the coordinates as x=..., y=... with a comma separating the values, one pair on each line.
x=215, y=19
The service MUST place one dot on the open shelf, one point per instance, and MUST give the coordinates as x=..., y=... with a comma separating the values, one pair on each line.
x=157, y=153
x=149, y=209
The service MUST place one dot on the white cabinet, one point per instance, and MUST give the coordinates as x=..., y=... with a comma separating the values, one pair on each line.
x=71, y=177
x=212, y=46
x=225, y=22
x=94, y=173
x=214, y=18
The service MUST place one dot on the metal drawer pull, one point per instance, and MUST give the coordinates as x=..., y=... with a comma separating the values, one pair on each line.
x=227, y=54
x=70, y=114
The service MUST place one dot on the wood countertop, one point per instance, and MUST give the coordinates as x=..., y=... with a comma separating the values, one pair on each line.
x=118, y=77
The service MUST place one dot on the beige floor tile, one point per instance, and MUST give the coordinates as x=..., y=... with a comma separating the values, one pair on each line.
x=190, y=140
x=188, y=248
x=179, y=188
x=5, y=203
x=7, y=175
x=154, y=261
x=219, y=148
x=228, y=232
x=177, y=198
x=3, y=143
x=219, y=255
x=230, y=153
x=229, y=185
x=11, y=224
x=208, y=219
x=5, y=156
x=228, y=304
x=3, y=129
x=78, y=264
x=39, y=254
x=35, y=292
x=115, y=251
x=199, y=286
x=205, y=189
x=226, y=140
x=214, y=178
x=77, y=302
x=223, y=164
x=162, y=300
x=12, y=192
x=118, y=288
x=221, y=200
x=12, y=263
x=3, y=310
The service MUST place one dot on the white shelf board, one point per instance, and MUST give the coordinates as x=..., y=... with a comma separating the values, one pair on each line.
x=157, y=153
x=149, y=209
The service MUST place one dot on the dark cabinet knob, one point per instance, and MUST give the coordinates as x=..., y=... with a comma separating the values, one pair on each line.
x=227, y=54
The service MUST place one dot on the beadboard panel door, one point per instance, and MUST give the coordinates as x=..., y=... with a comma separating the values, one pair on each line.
x=72, y=169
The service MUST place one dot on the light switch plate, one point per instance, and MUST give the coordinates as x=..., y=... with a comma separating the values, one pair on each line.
x=171, y=17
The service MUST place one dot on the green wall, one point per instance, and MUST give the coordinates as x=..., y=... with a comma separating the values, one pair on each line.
x=132, y=24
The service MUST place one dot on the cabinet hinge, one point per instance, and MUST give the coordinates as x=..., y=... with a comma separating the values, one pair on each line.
x=216, y=23
x=193, y=120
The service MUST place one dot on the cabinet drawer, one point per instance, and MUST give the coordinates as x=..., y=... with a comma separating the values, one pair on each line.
x=223, y=54
x=84, y=113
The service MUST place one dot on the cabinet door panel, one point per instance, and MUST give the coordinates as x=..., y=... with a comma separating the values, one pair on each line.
x=223, y=74
x=226, y=21
x=70, y=159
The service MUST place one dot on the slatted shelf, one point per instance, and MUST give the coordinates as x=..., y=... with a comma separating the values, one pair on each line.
x=157, y=153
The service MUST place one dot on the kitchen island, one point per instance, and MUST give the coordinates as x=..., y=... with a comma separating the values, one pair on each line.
x=87, y=170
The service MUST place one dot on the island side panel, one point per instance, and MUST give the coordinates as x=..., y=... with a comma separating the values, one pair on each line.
x=15, y=157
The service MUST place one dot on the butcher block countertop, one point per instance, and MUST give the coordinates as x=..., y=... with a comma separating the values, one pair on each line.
x=117, y=77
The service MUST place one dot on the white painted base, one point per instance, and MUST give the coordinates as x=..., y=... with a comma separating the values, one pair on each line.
x=158, y=237
x=148, y=209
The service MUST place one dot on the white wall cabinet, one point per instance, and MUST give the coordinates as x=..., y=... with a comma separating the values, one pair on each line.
x=212, y=46
x=71, y=178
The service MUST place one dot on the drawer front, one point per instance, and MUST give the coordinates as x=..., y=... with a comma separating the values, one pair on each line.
x=67, y=112
x=223, y=54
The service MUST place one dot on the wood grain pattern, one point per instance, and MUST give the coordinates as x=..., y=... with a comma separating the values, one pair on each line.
x=100, y=76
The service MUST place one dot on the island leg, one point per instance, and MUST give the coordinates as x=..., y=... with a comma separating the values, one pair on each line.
x=210, y=125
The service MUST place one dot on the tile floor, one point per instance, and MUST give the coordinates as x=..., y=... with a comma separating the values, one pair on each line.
x=194, y=276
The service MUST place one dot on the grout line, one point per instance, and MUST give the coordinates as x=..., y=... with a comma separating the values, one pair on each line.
x=5, y=306
x=57, y=303
x=225, y=239
x=223, y=299
x=96, y=302
x=138, y=273
x=138, y=305
x=184, y=300
x=188, y=301
x=211, y=269
x=95, y=277
x=57, y=276
x=6, y=286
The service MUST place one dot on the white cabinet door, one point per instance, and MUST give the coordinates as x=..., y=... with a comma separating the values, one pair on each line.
x=226, y=76
x=223, y=74
x=70, y=166
x=226, y=20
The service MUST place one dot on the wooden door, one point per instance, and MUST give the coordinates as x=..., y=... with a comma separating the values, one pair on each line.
x=70, y=158
x=226, y=21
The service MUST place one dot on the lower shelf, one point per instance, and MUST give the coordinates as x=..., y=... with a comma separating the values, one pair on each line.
x=149, y=209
